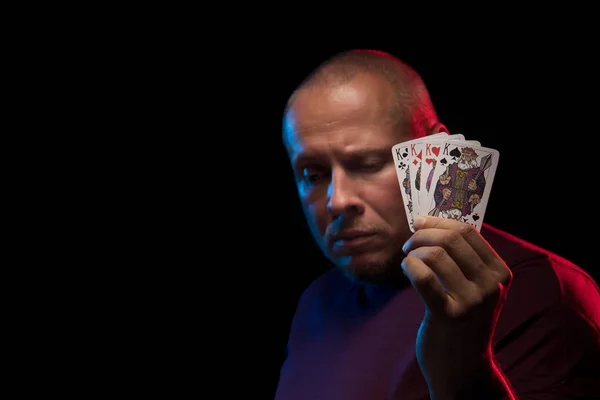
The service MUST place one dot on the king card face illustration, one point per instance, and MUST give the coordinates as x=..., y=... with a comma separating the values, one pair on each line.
x=432, y=150
x=462, y=181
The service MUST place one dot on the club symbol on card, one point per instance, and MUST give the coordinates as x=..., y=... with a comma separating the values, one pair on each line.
x=401, y=165
x=455, y=153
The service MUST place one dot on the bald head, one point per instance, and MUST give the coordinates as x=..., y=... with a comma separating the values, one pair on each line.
x=411, y=108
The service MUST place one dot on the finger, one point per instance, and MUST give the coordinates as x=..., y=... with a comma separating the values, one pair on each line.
x=487, y=254
x=458, y=249
x=447, y=271
x=426, y=283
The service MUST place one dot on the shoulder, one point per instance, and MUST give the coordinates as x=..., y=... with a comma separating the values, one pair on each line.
x=520, y=254
x=516, y=251
x=547, y=336
x=543, y=283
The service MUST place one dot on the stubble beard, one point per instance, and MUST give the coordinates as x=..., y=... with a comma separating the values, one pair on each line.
x=388, y=272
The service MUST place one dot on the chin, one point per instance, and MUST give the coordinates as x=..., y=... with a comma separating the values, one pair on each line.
x=370, y=269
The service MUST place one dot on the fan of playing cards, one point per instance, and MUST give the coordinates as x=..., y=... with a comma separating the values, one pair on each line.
x=445, y=176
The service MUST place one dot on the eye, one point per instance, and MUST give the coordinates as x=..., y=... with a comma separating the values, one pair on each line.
x=312, y=175
x=371, y=165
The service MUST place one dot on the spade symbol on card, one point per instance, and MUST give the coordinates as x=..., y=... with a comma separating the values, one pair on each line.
x=404, y=155
x=475, y=217
x=443, y=161
x=455, y=153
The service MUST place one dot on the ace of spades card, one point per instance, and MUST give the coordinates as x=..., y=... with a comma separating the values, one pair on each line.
x=461, y=182
x=400, y=153
x=432, y=150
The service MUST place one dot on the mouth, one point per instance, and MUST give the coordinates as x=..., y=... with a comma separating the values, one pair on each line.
x=351, y=242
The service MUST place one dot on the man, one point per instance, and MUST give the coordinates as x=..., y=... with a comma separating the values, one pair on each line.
x=444, y=313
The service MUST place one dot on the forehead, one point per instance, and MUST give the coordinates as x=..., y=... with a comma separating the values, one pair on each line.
x=364, y=97
x=342, y=118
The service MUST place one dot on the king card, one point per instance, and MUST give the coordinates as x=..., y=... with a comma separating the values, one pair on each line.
x=431, y=155
x=461, y=182
x=400, y=152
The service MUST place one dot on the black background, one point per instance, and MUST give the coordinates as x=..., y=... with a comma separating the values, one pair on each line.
x=229, y=253
x=173, y=264
x=534, y=103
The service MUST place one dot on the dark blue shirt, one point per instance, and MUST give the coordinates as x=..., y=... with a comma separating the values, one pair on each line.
x=352, y=341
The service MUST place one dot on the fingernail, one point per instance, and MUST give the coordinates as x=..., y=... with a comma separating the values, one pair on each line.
x=419, y=222
x=403, y=268
x=405, y=247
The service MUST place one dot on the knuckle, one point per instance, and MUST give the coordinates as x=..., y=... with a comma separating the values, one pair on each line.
x=507, y=276
x=476, y=297
x=467, y=230
x=490, y=297
x=493, y=291
x=451, y=238
x=409, y=261
x=425, y=279
x=504, y=275
x=436, y=223
x=435, y=254
x=418, y=235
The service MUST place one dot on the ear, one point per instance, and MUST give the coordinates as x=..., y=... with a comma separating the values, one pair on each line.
x=437, y=128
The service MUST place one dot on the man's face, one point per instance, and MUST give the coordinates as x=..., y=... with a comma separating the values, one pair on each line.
x=339, y=141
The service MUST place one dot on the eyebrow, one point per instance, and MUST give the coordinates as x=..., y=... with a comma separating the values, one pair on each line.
x=368, y=152
x=358, y=153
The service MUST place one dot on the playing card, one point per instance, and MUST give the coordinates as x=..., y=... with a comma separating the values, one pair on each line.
x=461, y=182
x=431, y=155
x=400, y=152
x=415, y=154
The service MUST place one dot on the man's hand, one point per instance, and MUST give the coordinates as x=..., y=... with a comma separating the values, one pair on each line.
x=446, y=192
x=445, y=178
x=472, y=184
x=463, y=283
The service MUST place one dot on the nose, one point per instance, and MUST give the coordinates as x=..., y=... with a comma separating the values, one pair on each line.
x=342, y=193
